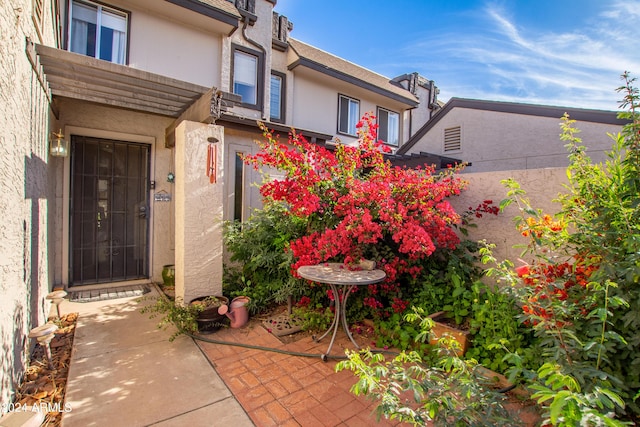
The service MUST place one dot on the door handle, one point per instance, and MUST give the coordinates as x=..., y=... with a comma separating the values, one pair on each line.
x=142, y=213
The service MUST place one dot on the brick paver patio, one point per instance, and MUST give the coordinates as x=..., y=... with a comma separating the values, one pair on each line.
x=278, y=389
x=284, y=390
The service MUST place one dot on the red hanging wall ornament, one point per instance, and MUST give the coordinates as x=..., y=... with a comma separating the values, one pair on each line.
x=212, y=159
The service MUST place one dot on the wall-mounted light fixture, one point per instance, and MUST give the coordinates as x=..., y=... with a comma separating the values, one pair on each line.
x=58, y=146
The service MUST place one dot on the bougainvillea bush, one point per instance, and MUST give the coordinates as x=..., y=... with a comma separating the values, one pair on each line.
x=579, y=289
x=356, y=205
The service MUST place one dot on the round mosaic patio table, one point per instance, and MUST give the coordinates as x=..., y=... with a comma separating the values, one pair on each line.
x=340, y=278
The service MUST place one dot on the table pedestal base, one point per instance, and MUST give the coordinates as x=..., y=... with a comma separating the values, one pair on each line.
x=340, y=317
x=340, y=277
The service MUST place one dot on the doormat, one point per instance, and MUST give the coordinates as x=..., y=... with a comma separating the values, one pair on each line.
x=108, y=293
x=282, y=324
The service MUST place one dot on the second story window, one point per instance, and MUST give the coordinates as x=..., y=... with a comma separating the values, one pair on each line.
x=348, y=115
x=98, y=31
x=277, y=97
x=247, y=76
x=388, y=126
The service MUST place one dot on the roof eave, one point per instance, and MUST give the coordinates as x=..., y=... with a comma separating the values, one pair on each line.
x=252, y=124
x=304, y=62
x=220, y=15
x=579, y=114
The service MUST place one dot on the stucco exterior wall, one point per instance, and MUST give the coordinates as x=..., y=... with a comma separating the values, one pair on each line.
x=541, y=185
x=27, y=192
x=422, y=114
x=170, y=40
x=505, y=141
x=314, y=106
x=174, y=50
x=199, y=212
x=315, y=103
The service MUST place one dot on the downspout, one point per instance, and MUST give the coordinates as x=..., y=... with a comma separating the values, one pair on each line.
x=246, y=20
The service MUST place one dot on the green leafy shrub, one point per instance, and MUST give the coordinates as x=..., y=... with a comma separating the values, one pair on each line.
x=316, y=318
x=447, y=391
x=580, y=295
x=261, y=263
x=496, y=331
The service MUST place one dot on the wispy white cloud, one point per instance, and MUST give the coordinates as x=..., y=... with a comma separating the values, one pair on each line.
x=511, y=61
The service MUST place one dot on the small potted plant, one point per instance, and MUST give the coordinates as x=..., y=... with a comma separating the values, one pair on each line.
x=208, y=319
x=442, y=327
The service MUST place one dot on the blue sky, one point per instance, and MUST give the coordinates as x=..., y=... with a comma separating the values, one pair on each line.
x=567, y=53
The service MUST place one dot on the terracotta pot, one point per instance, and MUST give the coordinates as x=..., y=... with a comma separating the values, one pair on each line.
x=440, y=328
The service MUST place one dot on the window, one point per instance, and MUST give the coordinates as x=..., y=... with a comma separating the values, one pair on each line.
x=452, y=139
x=98, y=31
x=247, y=76
x=348, y=115
x=388, y=126
x=277, y=97
x=238, y=187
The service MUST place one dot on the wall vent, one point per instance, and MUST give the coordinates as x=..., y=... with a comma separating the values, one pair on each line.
x=452, y=139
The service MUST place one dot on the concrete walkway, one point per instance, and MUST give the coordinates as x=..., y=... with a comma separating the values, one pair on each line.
x=125, y=372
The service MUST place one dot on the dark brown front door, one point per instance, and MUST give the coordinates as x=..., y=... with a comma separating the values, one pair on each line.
x=109, y=212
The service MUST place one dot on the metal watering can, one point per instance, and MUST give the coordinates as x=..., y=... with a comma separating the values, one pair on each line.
x=237, y=311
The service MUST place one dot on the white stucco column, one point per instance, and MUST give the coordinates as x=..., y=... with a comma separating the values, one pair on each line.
x=199, y=212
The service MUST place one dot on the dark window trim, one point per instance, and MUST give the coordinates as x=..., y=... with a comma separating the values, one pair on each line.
x=341, y=95
x=378, y=108
x=119, y=9
x=283, y=98
x=260, y=77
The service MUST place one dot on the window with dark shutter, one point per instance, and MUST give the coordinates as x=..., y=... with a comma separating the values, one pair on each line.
x=388, y=126
x=247, y=76
x=277, y=93
x=348, y=115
